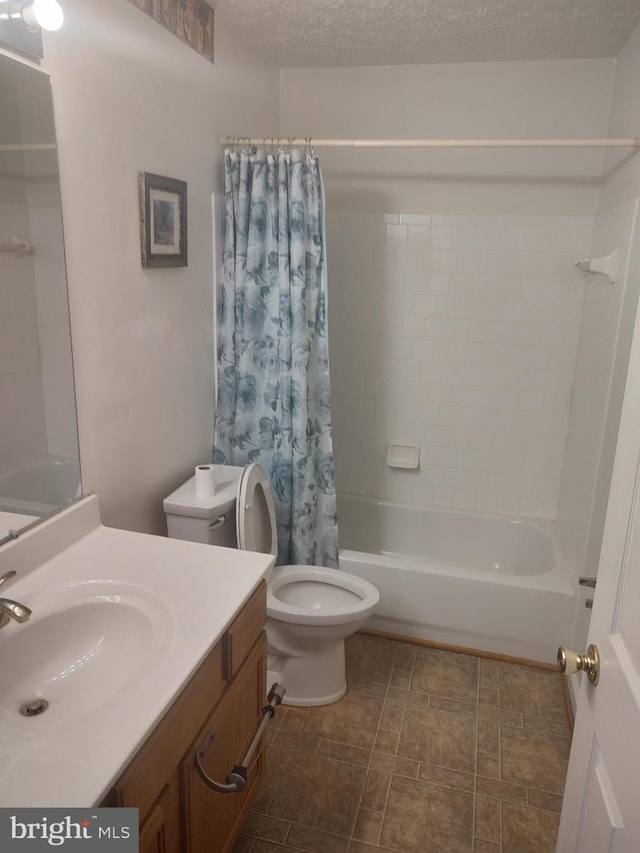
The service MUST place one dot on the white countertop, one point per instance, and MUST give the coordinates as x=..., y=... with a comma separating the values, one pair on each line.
x=197, y=588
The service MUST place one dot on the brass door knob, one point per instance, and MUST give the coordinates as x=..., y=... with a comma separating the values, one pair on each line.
x=570, y=662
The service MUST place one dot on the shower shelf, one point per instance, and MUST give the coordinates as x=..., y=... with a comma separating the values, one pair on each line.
x=606, y=266
x=403, y=455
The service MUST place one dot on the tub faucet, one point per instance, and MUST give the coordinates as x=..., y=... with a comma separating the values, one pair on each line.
x=11, y=609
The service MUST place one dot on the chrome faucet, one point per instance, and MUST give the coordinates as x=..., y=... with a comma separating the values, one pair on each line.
x=11, y=609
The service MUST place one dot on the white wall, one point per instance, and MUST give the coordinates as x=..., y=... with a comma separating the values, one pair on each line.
x=622, y=168
x=130, y=97
x=467, y=100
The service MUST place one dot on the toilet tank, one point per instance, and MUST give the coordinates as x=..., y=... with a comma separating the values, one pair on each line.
x=211, y=519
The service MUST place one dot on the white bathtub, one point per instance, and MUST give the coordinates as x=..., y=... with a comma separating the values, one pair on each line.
x=483, y=581
x=40, y=487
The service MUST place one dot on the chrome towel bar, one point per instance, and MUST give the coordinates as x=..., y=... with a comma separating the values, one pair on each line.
x=236, y=781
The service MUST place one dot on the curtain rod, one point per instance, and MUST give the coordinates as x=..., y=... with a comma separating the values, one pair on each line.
x=433, y=143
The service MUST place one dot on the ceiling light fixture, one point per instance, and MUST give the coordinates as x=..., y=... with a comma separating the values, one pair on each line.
x=45, y=14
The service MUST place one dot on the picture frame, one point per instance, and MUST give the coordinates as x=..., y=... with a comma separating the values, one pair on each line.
x=163, y=220
x=190, y=20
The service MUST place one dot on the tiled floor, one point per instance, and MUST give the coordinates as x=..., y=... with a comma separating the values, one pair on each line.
x=428, y=752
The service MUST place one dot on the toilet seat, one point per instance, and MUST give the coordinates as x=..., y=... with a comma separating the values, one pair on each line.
x=357, y=596
x=255, y=517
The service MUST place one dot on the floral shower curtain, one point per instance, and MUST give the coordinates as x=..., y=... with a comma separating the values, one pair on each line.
x=273, y=402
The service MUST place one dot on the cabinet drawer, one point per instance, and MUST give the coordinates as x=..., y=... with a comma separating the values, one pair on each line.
x=243, y=632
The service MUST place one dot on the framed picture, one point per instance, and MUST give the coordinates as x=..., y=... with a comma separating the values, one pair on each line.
x=163, y=221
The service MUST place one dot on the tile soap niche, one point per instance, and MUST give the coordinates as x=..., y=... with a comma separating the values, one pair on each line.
x=403, y=455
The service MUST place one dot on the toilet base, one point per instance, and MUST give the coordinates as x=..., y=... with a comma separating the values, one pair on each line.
x=315, y=678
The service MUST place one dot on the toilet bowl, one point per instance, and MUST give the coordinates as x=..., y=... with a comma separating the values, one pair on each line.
x=310, y=609
x=310, y=612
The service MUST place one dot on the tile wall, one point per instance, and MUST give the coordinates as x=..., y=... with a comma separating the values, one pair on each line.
x=23, y=438
x=460, y=334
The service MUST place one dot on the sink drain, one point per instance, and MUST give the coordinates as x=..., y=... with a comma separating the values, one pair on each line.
x=34, y=707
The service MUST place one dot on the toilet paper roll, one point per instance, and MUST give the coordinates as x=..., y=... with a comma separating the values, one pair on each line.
x=205, y=481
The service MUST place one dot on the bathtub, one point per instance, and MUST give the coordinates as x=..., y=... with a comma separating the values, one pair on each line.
x=487, y=582
x=40, y=487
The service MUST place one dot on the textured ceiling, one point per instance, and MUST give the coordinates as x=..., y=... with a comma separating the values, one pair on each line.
x=404, y=32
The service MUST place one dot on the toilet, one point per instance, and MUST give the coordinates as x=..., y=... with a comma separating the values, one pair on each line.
x=310, y=609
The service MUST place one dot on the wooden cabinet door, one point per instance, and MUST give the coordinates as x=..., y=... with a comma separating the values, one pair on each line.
x=160, y=831
x=214, y=820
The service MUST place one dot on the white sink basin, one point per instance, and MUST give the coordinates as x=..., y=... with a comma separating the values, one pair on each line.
x=81, y=648
x=120, y=622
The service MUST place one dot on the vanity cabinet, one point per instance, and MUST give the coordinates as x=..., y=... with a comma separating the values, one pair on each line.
x=178, y=812
x=214, y=817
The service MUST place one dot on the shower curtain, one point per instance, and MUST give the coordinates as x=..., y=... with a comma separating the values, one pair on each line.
x=273, y=403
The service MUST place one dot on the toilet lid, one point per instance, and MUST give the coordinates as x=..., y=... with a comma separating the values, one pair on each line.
x=255, y=515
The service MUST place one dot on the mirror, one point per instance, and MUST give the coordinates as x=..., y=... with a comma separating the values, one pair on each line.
x=39, y=460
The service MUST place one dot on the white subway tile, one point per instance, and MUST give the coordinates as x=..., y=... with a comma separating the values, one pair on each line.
x=465, y=237
x=396, y=235
x=465, y=499
x=389, y=259
x=422, y=350
x=418, y=236
x=447, y=218
x=415, y=282
x=406, y=260
x=490, y=236
x=393, y=282
x=507, y=504
x=415, y=218
x=443, y=496
x=424, y=306
x=442, y=236
x=400, y=348
x=446, y=328
x=428, y=260
x=437, y=283
x=391, y=326
x=413, y=327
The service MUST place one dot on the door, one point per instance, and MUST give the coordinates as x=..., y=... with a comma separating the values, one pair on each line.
x=601, y=809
